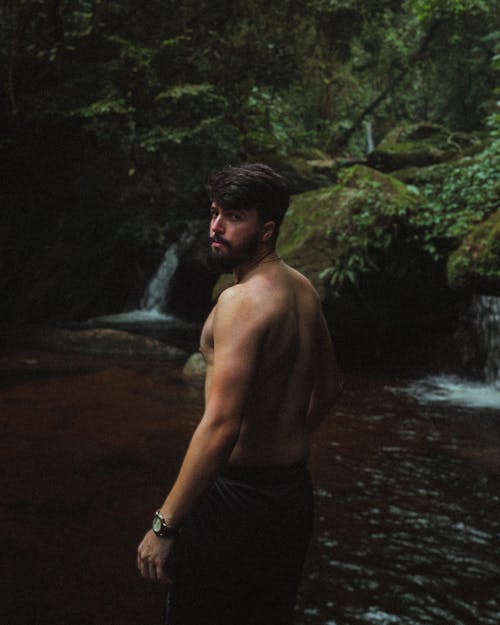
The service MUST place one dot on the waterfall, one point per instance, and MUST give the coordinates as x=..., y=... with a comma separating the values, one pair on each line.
x=154, y=302
x=485, y=317
x=155, y=298
x=370, y=146
x=480, y=346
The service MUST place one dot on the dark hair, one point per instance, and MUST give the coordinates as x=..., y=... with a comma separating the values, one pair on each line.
x=252, y=186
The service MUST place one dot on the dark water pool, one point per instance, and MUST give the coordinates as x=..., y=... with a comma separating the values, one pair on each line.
x=409, y=513
x=408, y=498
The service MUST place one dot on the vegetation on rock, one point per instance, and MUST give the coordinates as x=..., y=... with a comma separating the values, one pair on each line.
x=418, y=145
x=457, y=197
x=337, y=233
x=475, y=265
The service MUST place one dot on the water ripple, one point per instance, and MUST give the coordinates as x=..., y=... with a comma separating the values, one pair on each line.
x=410, y=533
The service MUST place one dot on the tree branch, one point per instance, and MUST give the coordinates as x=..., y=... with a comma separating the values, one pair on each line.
x=401, y=73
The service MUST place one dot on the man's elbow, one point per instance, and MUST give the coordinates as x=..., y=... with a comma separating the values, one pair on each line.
x=223, y=432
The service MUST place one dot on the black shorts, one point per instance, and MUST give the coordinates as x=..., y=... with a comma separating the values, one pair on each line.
x=239, y=557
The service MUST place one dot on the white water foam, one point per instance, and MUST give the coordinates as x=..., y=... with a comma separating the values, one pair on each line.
x=484, y=323
x=136, y=316
x=450, y=389
x=155, y=300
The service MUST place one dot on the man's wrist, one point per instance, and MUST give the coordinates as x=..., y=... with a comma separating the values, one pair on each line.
x=163, y=526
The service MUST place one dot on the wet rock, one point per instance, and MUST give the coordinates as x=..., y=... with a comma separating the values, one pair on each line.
x=194, y=370
x=103, y=341
x=418, y=145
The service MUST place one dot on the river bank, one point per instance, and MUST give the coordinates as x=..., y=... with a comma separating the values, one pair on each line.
x=406, y=496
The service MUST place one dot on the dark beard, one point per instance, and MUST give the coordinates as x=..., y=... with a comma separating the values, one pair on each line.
x=222, y=264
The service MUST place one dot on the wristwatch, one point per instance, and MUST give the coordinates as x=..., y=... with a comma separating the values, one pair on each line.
x=162, y=528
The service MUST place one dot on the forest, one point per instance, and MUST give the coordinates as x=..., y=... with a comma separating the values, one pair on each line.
x=384, y=116
x=114, y=114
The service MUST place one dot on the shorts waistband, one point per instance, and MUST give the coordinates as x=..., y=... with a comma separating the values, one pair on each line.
x=268, y=473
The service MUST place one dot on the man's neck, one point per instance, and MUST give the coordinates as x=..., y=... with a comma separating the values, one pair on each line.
x=261, y=257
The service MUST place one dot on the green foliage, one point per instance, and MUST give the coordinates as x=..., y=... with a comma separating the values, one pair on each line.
x=280, y=75
x=372, y=228
x=115, y=113
x=477, y=260
x=273, y=122
x=461, y=197
x=429, y=9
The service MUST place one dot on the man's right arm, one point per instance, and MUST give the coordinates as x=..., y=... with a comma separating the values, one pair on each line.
x=327, y=386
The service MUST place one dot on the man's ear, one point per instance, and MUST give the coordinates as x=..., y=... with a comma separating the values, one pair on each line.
x=268, y=229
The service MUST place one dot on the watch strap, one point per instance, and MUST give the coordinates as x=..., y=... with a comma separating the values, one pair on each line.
x=162, y=527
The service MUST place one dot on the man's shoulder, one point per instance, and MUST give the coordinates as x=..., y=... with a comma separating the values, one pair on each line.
x=301, y=279
x=243, y=308
x=256, y=301
x=265, y=293
x=242, y=295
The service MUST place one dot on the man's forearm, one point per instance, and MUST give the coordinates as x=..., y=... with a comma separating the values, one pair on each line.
x=208, y=451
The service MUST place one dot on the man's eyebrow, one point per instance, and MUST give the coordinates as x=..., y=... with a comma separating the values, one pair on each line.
x=227, y=209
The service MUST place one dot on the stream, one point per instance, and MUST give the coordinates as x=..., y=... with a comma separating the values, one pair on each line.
x=407, y=496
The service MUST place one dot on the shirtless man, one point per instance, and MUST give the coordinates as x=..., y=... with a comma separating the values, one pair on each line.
x=243, y=496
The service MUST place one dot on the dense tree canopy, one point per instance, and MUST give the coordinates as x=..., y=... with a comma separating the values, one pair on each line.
x=114, y=113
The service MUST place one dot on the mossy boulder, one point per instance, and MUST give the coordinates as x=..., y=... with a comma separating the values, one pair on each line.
x=475, y=265
x=418, y=145
x=225, y=280
x=337, y=233
x=194, y=370
x=437, y=173
x=302, y=174
x=357, y=242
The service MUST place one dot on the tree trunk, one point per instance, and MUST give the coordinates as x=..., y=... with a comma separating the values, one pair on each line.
x=397, y=78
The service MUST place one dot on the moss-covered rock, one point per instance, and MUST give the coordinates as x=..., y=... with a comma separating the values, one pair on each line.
x=358, y=244
x=436, y=173
x=475, y=265
x=336, y=233
x=195, y=369
x=302, y=174
x=225, y=280
x=418, y=145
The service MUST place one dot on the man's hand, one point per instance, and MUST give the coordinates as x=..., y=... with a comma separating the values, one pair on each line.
x=152, y=555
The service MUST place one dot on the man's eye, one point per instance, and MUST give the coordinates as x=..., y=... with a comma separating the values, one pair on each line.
x=234, y=216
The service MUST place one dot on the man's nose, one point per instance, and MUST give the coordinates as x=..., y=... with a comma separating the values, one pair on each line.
x=218, y=224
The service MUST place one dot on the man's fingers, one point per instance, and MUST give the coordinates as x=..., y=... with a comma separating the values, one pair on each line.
x=151, y=557
x=151, y=569
x=160, y=574
x=142, y=562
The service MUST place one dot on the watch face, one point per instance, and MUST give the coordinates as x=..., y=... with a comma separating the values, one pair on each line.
x=157, y=524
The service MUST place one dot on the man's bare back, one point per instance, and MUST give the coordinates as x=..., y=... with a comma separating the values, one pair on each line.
x=276, y=316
